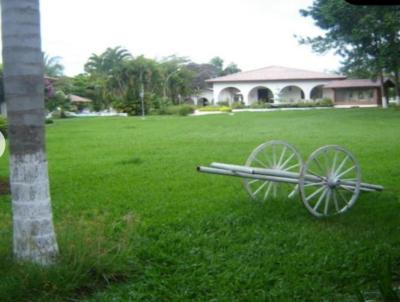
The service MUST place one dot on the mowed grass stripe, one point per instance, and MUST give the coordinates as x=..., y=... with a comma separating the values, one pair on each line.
x=131, y=211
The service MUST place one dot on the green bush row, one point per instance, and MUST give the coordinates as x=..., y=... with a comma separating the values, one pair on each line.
x=215, y=108
x=181, y=110
x=326, y=102
x=3, y=126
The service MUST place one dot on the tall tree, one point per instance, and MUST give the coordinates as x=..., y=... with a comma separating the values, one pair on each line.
x=231, y=68
x=367, y=34
x=106, y=62
x=218, y=63
x=34, y=238
x=202, y=72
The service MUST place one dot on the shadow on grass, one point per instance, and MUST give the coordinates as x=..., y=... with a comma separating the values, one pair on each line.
x=131, y=161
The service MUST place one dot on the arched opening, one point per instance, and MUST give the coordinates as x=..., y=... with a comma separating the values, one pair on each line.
x=261, y=94
x=203, y=102
x=316, y=93
x=291, y=93
x=230, y=95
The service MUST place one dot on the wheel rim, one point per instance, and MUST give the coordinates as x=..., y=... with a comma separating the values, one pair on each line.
x=330, y=181
x=277, y=155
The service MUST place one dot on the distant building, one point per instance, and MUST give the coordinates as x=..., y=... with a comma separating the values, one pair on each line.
x=276, y=84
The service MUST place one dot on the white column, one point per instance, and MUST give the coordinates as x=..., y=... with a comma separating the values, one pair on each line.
x=245, y=94
x=216, y=92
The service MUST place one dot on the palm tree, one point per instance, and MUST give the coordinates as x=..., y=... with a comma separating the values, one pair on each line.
x=34, y=238
x=52, y=66
x=108, y=61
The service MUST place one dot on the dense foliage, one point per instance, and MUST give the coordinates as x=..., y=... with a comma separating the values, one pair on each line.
x=117, y=79
x=367, y=37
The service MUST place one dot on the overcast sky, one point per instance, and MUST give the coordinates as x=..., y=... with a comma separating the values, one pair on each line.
x=251, y=33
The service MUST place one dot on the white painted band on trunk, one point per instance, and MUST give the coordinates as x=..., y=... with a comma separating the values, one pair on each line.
x=33, y=231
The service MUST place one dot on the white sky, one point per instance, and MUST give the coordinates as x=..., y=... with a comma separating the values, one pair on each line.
x=251, y=33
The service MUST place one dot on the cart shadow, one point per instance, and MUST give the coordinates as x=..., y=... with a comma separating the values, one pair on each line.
x=372, y=209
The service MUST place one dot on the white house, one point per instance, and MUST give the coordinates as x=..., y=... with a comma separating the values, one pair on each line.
x=277, y=84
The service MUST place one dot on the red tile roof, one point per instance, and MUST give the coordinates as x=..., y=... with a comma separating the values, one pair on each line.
x=353, y=83
x=276, y=73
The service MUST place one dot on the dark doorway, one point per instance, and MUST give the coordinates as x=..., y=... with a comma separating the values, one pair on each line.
x=264, y=94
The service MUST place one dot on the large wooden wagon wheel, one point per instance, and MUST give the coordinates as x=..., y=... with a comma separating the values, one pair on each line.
x=274, y=155
x=330, y=181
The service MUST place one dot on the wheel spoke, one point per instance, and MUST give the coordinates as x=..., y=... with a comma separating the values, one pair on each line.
x=326, y=161
x=253, y=181
x=287, y=161
x=314, y=184
x=267, y=191
x=319, y=166
x=260, y=162
x=345, y=172
x=267, y=158
x=260, y=187
x=348, y=188
x=282, y=156
x=341, y=165
x=335, y=200
x=314, y=194
x=315, y=174
x=342, y=197
x=320, y=199
x=327, y=199
x=273, y=156
x=274, y=189
x=292, y=167
x=294, y=191
x=334, y=161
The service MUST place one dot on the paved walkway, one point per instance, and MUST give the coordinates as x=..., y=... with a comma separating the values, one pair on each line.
x=199, y=113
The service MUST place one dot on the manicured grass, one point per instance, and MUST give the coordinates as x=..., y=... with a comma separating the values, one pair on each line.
x=135, y=221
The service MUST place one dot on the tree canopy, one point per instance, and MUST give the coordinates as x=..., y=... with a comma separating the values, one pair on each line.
x=218, y=63
x=367, y=37
x=116, y=78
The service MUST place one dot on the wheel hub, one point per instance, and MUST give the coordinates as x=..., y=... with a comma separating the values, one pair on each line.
x=332, y=182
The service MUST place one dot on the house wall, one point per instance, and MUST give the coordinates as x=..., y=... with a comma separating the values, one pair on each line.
x=3, y=109
x=328, y=93
x=356, y=96
x=249, y=96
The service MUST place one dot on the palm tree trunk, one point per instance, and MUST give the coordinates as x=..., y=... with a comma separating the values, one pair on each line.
x=397, y=86
x=34, y=238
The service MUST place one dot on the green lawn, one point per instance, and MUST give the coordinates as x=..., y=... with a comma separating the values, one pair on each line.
x=135, y=221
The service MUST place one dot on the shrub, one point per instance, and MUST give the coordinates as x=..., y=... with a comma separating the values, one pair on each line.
x=305, y=104
x=182, y=110
x=215, y=108
x=260, y=105
x=49, y=121
x=3, y=126
x=223, y=103
x=209, y=108
x=325, y=102
x=225, y=109
x=237, y=105
x=185, y=110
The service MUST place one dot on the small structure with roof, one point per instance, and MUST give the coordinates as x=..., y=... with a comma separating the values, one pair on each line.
x=277, y=84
